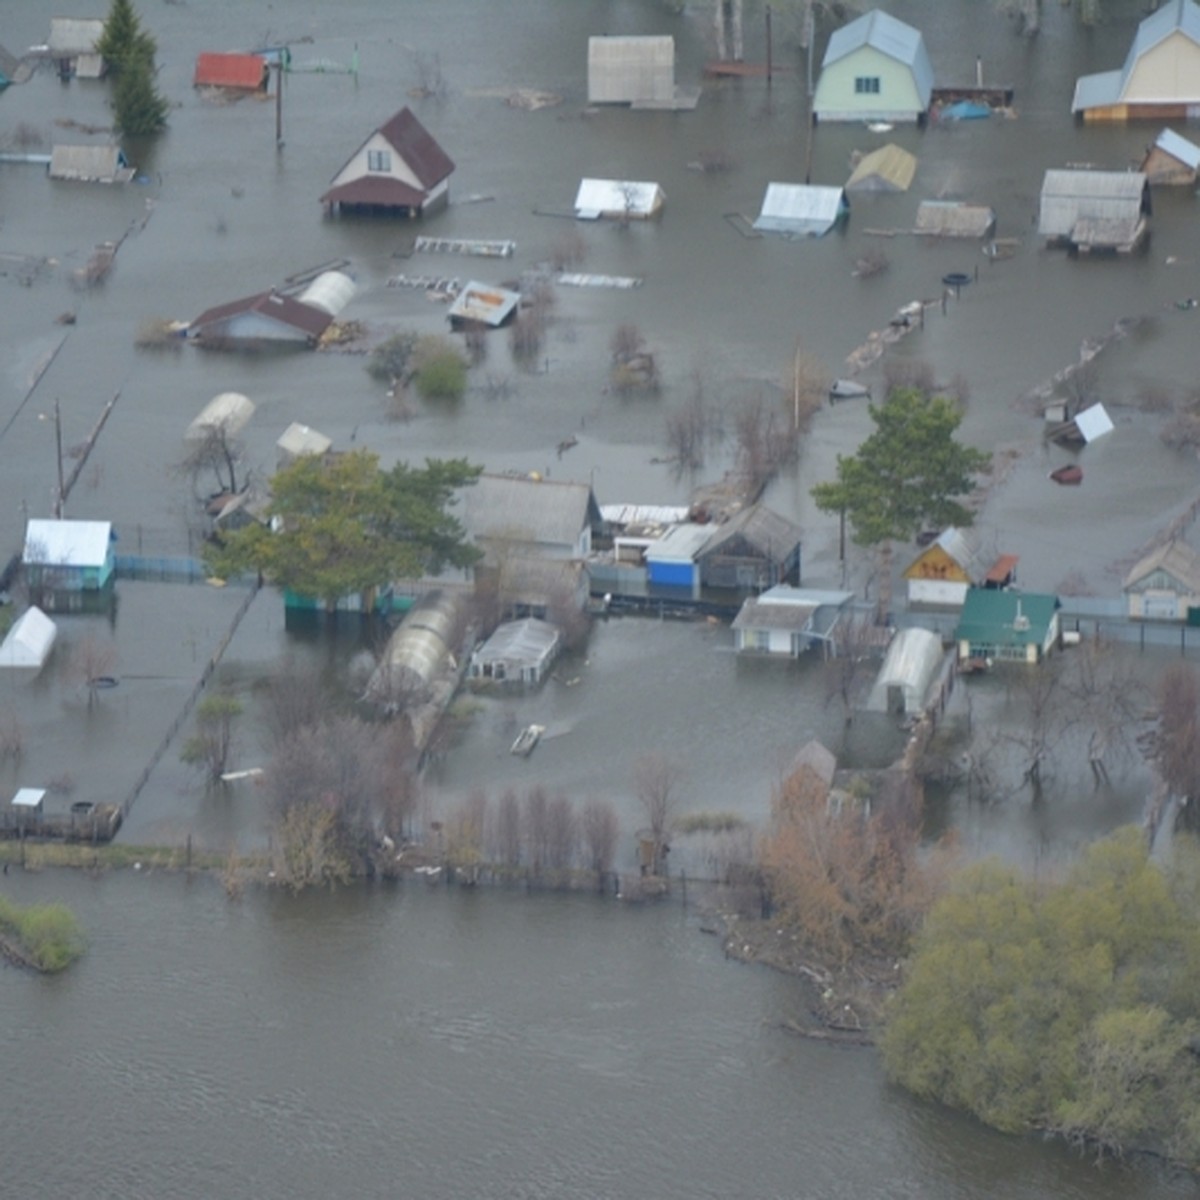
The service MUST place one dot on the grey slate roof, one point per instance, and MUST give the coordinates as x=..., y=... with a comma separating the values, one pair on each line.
x=772, y=534
x=528, y=510
x=1069, y=196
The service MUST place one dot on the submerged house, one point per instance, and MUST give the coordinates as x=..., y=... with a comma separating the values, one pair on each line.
x=801, y=209
x=618, y=200
x=1164, y=585
x=72, y=46
x=954, y=219
x=232, y=72
x=673, y=560
x=230, y=412
x=13, y=69
x=300, y=441
x=68, y=556
x=518, y=652
x=265, y=319
x=874, y=69
x=400, y=171
x=480, y=304
x=786, y=621
x=90, y=164
x=631, y=70
x=941, y=574
x=755, y=549
x=28, y=643
x=1007, y=626
x=910, y=667
x=1172, y=160
x=1094, y=210
x=533, y=517
x=888, y=169
x=1160, y=78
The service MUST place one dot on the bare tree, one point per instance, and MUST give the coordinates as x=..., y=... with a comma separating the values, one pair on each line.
x=568, y=251
x=599, y=827
x=464, y=836
x=656, y=781
x=1038, y=699
x=634, y=368
x=508, y=830
x=766, y=441
x=852, y=661
x=91, y=664
x=294, y=698
x=1106, y=701
x=217, y=454
x=537, y=823
x=562, y=833
x=210, y=747
x=687, y=428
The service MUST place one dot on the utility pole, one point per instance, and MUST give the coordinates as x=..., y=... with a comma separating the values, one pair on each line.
x=58, y=503
x=767, y=14
x=279, y=99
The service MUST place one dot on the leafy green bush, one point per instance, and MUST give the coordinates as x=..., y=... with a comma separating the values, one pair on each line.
x=46, y=934
x=441, y=371
x=709, y=822
x=392, y=359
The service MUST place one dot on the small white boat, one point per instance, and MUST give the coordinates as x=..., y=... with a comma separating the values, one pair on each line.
x=527, y=739
x=847, y=389
x=880, y=126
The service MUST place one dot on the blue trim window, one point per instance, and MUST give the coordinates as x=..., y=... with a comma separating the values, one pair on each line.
x=379, y=160
x=866, y=85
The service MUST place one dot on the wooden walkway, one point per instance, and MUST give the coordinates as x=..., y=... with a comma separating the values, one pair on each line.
x=474, y=247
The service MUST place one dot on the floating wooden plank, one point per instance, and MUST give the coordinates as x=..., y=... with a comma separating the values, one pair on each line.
x=569, y=279
x=475, y=247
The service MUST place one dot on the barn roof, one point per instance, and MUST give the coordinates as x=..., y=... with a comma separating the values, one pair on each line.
x=416, y=145
x=284, y=309
x=1177, y=146
x=888, y=169
x=800, y=208
x=1069, y=196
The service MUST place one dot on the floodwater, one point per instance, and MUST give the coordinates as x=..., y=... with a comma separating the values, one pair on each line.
x=220, y=212
x=444, y=1043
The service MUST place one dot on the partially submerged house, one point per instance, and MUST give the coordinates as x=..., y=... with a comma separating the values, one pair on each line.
x=1094, y=210
x=755, y=549
x=72, y=46
x=518, y=652
x=90, y=164
x=1160, y=78
x=1084, y=427
x=1164, y=585
x=230, y=412
x=911, y=667
x=787, y=620
x=400, y=171
x=232, y=72
x=673, y=560
x=530, y=516
x=618, y=200
x=876, y=68
x=801, y=209
x=28, y=643
x=954, y=219
x=888, y=169
x=998, y=625
x=68, y=556
x=1172, y=160
x=480, y=304
x=631, y=70
x=300, y=441
x=943, y=571
x=13, y=69
x=265, y=319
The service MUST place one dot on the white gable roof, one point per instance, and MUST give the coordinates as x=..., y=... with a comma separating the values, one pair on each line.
x=1172, y=143
x=800, y=208
x=29, y=641
x=67, y=543
x=596, y=196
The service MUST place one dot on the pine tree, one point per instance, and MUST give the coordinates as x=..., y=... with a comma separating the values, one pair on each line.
x=138, y=107
x=124, y=39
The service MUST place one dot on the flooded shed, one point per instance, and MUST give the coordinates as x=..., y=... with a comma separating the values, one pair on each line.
x=331, y=291
x=519, y=652
x=954, y=219
x=912, y=663
x=230, y=412
x=265, y=319
x=418, y=652
x=755, y=548
x=618, y=200
x=1094, y=210
x=90, y=164
x=631, y=70
x=28, y=643
x=888, y=169
x=1172, y=160
x=786, y=620
x=300, y=441
x=480, y=304
x=232, y=72
x=801, y=209
x=72, y=46
x=68, y=556
x=1164, y=585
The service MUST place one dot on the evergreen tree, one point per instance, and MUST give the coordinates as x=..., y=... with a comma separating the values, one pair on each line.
x=138, y=107
x=124, y=39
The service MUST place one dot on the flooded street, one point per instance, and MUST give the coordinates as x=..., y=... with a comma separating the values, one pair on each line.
x=573, y=1049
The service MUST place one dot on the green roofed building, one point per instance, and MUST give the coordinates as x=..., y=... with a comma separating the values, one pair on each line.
x=1006, y=626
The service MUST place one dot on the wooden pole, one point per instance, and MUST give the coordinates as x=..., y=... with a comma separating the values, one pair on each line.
x=767, y=15
x=58, y=500
x=279, y=102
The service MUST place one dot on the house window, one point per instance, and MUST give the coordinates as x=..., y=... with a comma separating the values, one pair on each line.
x=379, y=160
x=866, y=85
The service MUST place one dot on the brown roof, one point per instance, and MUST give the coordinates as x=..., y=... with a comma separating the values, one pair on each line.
x=247, y=71
x=375, y=190
x=415, y=144
x=1001, y=569
x=770, y=534
x=284, y=309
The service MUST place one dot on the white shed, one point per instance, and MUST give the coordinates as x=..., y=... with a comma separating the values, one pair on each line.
x=28, y=800
x=300, y=441
x=29, y=641
x=801, y=209
x=910, y=666
x=230, y=411
x=631, y=70
x=620, y=199
x=331, y=291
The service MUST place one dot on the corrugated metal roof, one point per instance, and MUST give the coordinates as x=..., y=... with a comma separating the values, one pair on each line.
x=629, y=69
x=482, y=303
x=247, y=72
x=300, y=440
x=962, y=548
x=70, y=36
x=90, y=164
x=1070, y=196
x=29, y=641
x=527, y=642
x=1177, y=559
x=67, y=543
x=800, y=208
x=913, y=659
x=599, y=196
x=889, y=36
x=953, y=218
x=1177, y=146
x=816, y=757
x=28, y=798
x=680, y=543
x=789, y=608
x=643, y=514
x=284, y=309
x=888, y=169
x=762, y=527
x=521, y=509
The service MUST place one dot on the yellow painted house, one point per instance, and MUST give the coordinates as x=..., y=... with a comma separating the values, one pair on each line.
x=1160, y=79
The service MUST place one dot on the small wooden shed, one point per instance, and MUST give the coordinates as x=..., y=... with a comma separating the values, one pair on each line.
x=1172, y=160
x=90, y=164
x=631, y=70
x=618, y=199
x=889, y=169
x=1094, y=210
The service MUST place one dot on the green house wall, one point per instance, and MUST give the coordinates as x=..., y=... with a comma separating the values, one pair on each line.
x=897, y=99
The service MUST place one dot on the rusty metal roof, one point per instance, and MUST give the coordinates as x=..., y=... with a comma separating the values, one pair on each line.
x=247, y=71
x=283, y=309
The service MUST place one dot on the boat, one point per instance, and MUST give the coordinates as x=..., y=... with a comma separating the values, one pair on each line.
x=1072, y=473
x=847, y=389
x=527, y=739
